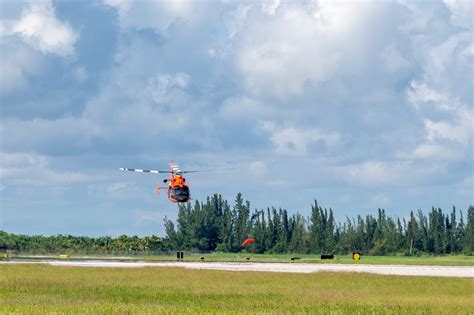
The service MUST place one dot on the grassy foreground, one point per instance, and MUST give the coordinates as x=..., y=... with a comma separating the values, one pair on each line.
x=48, y=289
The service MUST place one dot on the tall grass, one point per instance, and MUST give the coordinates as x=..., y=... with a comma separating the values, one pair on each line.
x=48, y=289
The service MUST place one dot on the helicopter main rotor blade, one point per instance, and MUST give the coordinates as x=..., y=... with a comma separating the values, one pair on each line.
x=141, y=170
x=174, y=170
x=211, y=170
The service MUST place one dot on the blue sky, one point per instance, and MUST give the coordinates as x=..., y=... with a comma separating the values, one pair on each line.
x=359, y=105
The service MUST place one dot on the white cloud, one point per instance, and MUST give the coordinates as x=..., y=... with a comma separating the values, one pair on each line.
x=147, y=216
x=18, y=62
x=449, y=137
x=393, y=59
x=458, y=131
x=236, y=19
x=157, y=15
x=295, y=141
x=257, y=168
x=270, y=6
x=121, y=5
x=420, y=93
x=450, y=61
x=80, y=74
x=118, y=187
x=143, y=110
x=279, y=183
x=279, y=54
x=33, y=29
x=3, y=28
x=39, y=27
x=243, y=108
x=462, y=12
x=162, y=85
x=32, y=169
x=381, y=200
x=465, y=186
x=37, y=133
x=436, y=152
x=373, y=173
x=113, y=188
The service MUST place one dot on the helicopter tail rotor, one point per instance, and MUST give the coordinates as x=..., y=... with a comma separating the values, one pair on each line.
x=158, y=188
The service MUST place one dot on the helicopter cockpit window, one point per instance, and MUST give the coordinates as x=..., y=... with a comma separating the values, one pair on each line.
x=181, y=194
x=181, y=191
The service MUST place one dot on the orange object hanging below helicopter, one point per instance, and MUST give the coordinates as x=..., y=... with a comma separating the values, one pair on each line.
x=178, y=189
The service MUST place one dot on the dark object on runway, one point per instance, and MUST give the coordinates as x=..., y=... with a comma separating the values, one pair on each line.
x=248, y=258
x=356, y=255
x=294, y=258
x=326, y=256
x=202, y=258
x=180, y=256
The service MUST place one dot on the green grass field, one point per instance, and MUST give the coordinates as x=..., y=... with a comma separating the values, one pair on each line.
x=46, y=289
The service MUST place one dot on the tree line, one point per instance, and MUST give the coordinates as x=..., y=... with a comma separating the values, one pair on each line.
x=216, y=225
x=38, y=244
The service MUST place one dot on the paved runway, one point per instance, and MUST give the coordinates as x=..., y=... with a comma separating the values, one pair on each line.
x=400, y=270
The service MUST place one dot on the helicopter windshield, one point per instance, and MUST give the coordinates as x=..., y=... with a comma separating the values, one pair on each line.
x=181, y=194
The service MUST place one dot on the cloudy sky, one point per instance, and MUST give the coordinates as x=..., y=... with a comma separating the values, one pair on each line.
x=358, y=105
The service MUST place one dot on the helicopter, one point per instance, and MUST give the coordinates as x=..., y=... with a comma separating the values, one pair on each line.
x=178, y=189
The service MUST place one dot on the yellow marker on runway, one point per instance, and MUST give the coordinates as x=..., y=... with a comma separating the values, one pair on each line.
x=63, y=256
x=6, y=254
x=356, y=255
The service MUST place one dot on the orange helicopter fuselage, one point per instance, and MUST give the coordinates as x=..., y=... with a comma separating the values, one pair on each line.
x=178, y=190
